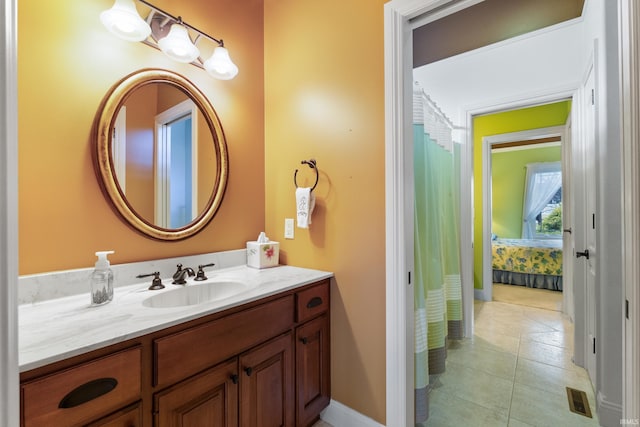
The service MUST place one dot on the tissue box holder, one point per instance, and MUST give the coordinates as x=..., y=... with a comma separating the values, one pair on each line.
x=263, y=255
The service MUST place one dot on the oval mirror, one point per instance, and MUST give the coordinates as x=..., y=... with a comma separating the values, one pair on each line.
x=160, y=154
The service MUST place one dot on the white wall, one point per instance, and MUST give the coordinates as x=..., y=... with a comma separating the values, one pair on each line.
x=548, y=59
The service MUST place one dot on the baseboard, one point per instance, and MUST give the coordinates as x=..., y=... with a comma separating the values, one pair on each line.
x=480, y=295
x=339, y=415
x=609, y=413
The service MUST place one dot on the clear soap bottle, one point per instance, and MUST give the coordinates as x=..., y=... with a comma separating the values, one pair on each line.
x=102, y=280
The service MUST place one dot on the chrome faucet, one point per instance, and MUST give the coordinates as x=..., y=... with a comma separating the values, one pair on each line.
x=181, y=273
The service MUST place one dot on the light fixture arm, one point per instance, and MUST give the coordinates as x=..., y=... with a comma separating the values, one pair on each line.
x=169, y=18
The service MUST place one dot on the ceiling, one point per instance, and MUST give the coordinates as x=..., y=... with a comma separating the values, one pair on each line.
x=485, y=23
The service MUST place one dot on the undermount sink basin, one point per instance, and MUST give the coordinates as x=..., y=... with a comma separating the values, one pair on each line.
x=193, y=294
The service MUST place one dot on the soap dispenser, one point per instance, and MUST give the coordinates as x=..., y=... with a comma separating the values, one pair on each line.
x=102, y=280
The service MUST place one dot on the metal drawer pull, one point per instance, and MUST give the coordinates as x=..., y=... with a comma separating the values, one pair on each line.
x=89, y=391
x=234, y=379
x=314, y=302
x=248, y=371
x=304, y=340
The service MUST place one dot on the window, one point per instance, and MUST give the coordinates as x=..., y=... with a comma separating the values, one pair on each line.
x=542, y=211
x=549, y=220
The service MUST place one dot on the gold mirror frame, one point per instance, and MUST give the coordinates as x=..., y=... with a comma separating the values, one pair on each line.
x=103, y=159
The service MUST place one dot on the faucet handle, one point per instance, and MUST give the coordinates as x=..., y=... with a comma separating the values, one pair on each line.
x=156, y=283
x=200, y=276
x=178, y=271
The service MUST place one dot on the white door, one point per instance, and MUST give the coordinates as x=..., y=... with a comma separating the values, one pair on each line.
x=584, y=181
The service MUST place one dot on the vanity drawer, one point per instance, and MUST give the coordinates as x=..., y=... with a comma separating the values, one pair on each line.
x=312, y=301
x=83, y=393
x=185, y=353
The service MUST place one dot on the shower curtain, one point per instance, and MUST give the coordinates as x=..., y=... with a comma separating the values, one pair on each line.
x=438, y=291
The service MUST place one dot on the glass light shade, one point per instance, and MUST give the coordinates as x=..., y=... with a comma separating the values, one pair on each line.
x=123, y=21
x=220, y=65
x=178, y=46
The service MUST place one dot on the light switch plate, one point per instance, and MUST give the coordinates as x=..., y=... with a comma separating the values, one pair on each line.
x=288, y=228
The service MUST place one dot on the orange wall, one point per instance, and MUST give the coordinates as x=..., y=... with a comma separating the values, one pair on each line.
x=140, y=188
x=324, y=99
x=66, y=63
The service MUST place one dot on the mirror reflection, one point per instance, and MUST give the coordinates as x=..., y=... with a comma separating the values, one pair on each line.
x=163, y=155
x=160, y=154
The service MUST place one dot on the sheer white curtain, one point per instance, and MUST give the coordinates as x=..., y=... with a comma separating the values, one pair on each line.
x=542, y=183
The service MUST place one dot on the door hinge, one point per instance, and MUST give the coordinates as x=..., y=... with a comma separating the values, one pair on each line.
x=409, y=278
x=593, y=96
x=593, y=221
x=594, y=345
x=626, y=308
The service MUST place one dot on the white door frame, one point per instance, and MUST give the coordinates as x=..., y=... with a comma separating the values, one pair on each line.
x=9, y=377
x=162, y=167
x=629, y=22
x=487, y=142
x=398, y=45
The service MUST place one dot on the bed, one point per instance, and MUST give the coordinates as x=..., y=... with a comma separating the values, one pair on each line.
x=525, y=262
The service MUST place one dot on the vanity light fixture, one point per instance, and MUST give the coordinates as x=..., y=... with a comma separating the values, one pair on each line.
x=177, y=45
x=123, y=21
x=220, y=65
x=169, y=34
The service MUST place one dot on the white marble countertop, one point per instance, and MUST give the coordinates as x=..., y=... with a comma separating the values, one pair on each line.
x=57, y=329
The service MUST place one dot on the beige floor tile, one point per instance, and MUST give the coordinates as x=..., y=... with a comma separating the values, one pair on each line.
x=475, y=386
x=529, y=326
x=545, y=353
x=322, y=424
x=516, y=423
x=531, y=406
x=557, y=338
x=549, y=300
x=447, y=410
x=477, y=356
x=496, y=341
x=551, y=378
x=493, y=327
x=514, y=371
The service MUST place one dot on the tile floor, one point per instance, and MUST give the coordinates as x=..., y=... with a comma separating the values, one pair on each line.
x=513, y=372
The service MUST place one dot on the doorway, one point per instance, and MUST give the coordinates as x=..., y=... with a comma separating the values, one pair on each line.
x=176, y=165
x=524, y=197
x=398, y=85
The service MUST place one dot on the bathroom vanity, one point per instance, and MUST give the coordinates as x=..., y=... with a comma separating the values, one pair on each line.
x=260, y=357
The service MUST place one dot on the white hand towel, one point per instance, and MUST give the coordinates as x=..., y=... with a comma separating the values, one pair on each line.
x=305, y=202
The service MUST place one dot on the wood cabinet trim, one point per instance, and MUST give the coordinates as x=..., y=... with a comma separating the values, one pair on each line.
x=185, y=353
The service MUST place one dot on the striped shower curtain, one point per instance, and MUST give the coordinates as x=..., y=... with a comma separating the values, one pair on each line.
x=438, y=293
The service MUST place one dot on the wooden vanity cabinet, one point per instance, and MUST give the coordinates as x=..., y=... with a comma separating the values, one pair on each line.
x=313, y=357
x=312, y=370
x=208, y=399
x=266, y=384
x=262, y=364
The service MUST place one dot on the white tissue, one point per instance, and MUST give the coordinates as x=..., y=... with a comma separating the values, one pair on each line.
x=262, y=238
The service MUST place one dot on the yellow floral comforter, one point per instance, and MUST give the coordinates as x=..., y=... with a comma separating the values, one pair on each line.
x=528, y=256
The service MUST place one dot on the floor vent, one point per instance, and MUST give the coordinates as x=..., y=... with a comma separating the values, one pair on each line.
x=578, y=402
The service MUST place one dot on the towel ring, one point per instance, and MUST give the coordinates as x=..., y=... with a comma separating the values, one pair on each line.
x=312, y=165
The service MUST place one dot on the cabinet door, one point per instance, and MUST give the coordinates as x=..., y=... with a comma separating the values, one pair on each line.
x=208, y=399
x=128, y=417
x=313, y=380
x=266, y=384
